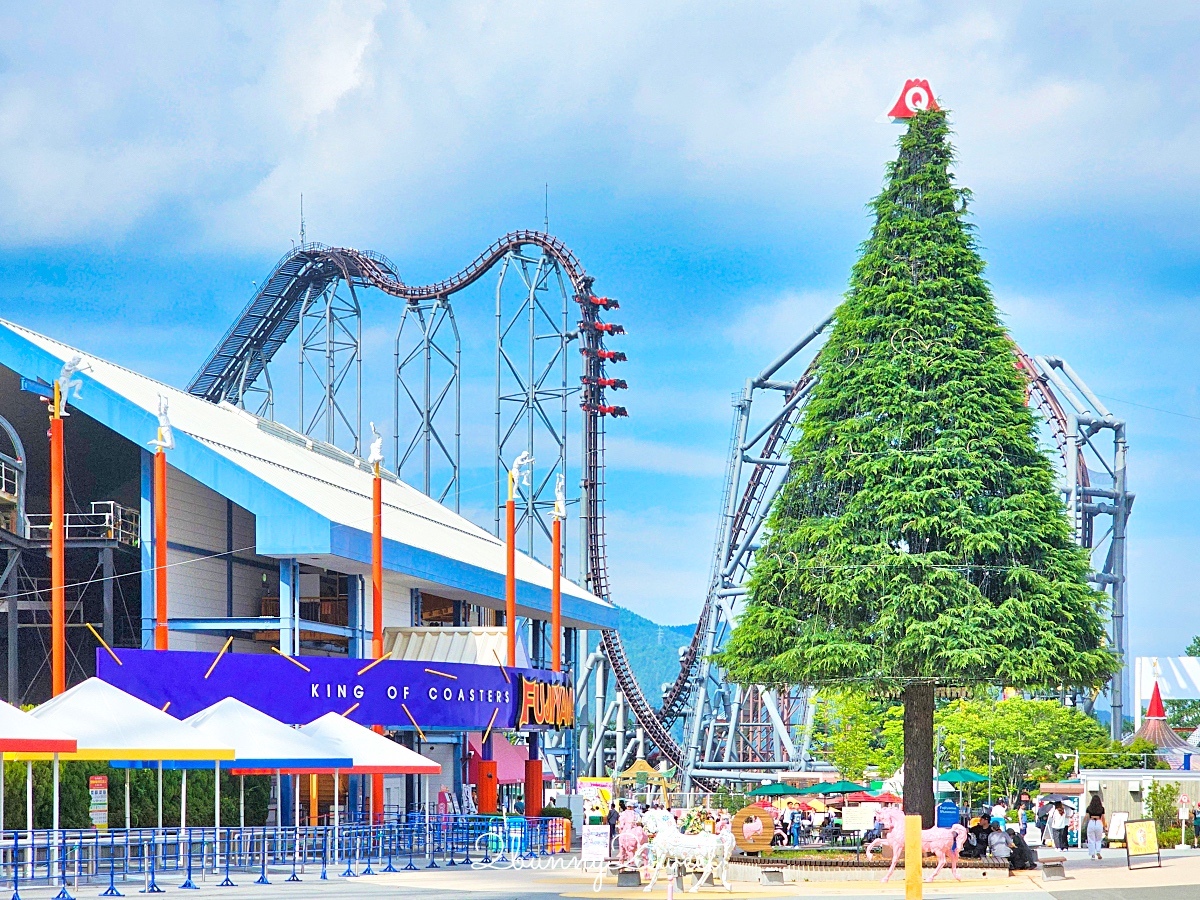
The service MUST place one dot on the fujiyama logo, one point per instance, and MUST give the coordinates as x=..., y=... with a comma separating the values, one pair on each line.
x=546, y=704
x=916, y=96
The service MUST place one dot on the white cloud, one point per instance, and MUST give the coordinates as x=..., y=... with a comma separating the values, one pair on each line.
x=391, y=117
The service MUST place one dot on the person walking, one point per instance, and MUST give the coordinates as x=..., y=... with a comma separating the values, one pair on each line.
x=1196, y=827
x=611, y=820
x=1057, y=823
x=1096, y=825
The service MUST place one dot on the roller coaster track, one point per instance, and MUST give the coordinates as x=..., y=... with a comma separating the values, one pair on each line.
x=273, y=314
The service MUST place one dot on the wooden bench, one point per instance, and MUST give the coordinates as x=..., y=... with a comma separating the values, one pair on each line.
x=1053, y=867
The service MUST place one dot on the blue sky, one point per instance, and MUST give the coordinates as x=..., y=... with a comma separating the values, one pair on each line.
x=710, y=165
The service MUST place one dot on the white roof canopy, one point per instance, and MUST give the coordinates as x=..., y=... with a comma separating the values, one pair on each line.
x=373, y=754
x=263, y=744
x=113, y=725
x=19, y=731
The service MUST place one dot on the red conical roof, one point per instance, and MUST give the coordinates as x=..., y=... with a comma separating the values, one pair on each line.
x=1156, y=710
x=1155, y=728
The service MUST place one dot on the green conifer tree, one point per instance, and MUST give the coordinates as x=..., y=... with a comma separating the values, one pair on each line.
x=920, y=540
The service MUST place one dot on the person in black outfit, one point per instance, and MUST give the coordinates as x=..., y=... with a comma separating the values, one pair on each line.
x=1022, y=856
x=611, y=820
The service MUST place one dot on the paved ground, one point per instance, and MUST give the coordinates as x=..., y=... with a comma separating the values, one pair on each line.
x=1108, y=879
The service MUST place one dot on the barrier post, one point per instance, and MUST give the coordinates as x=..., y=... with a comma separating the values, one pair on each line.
x=188, y=884
x=370, y=840
x=412, y=840
x=262, y=877
x=151, y=886
x=16, y=894
x=227, y=882
x=430, y=842
x=388, y=835
x=295, y=851
x=61, y=848
x=912, y=858
x=112, y=887
x=350, y=873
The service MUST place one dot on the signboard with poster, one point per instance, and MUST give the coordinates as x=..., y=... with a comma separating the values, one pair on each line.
x=594, y=843
x=98, y=805
x=1141, y=839
x=1116, y=826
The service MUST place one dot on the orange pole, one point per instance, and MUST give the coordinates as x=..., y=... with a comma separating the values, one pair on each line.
x=58, y=564
x=160, y=549
x=556, y=595
x=485, y=787
x=313, y=799
x=534, y=787
x=377, y=566
x=510, y=581
x=377, y=616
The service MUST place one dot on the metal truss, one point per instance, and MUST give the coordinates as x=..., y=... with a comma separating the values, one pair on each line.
x=737, y=732
x=330, y=353
x=264, y=392
x=532, y=333
x=428, y=362
x=1096, y=493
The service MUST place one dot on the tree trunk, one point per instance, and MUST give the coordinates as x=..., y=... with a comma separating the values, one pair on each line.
x=918, y=752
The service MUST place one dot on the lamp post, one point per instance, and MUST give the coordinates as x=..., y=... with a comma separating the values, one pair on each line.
x=58, y=529
x=162, y=443
x=560, y=511
x=519, y=468
x=991, y=745
x=58, y=568
x=375, y=459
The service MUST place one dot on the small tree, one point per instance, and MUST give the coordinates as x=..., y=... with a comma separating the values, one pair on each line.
x=1162, y=803
x=920, y=540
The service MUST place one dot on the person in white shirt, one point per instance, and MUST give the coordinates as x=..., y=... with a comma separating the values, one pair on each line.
x=1058, y=822
x=1000, y=813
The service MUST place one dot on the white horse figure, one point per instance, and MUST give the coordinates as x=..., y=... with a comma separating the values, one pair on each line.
x=669, y=848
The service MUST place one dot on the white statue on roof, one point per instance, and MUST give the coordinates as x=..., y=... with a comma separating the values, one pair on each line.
x=376, y=455
x=521, y=468
x=560, y=497
x=166, y=435
x=67, y=381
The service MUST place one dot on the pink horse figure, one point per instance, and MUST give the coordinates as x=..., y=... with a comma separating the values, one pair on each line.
x=941, y=842
x=630, y=836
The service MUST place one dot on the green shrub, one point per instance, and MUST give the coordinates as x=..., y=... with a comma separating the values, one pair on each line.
x=1161, y=804
x=555, y=812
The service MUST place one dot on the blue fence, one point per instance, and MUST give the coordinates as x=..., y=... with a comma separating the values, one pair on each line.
x=66, y=858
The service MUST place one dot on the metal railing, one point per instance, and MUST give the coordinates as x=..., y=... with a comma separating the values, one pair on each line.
x=108, y=521
x=68, y=858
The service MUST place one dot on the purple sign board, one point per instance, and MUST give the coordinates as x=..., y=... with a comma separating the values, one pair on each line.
x=392, y=693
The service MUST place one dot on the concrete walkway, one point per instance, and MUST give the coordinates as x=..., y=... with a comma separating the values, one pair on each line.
x=1107, y=879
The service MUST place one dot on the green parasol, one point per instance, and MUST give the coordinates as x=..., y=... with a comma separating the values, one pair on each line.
x=839, y=787
x=962, y=776
x=776, y=789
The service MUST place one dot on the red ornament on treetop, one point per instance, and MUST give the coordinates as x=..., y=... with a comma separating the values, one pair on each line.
x=917, y=95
